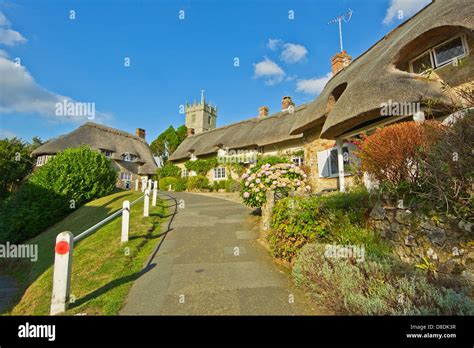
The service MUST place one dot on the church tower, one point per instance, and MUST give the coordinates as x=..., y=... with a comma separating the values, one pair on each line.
x=200, y=117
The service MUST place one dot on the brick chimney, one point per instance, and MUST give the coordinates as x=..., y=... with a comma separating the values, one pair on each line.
x=190, y=131
x=140, y=133
x=286, y=102
x=339, y=61
x=263, y=111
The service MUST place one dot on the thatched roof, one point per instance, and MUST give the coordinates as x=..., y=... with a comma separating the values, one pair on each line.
x=249, y=133
x=378, y=75
x=98, y=136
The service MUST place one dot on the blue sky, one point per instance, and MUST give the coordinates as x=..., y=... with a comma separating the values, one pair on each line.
x=171, y=59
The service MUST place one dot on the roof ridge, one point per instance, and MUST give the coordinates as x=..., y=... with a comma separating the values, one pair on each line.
x=253, y=119
x=112, y=130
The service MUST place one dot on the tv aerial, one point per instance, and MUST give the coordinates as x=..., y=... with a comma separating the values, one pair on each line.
x=346, y=17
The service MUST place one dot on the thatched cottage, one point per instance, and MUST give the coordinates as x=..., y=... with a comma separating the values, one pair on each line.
x=129, y=153
x=393, y=81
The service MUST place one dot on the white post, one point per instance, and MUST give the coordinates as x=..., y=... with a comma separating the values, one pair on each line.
x=155, y=192
x=149, y=184
x=136, y=184
x=143, y=185
x=340, y=164
x=62, y=272
x=125, y=221
x=146, y=203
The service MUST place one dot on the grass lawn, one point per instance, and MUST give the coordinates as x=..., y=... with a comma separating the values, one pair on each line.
x=103, y=269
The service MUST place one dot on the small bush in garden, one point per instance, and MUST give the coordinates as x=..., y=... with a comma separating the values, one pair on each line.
x=168, y=170
x=217, y=185
x=373, y=287
x=282, y=177
x=339, y=218
x=391, y=154
x=181, y=185
x=198, y=182
x=70, y=179
x=447, y=169
x=164, y=183
x=232, y=185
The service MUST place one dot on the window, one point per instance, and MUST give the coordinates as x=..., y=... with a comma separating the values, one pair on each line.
x=219, y=173
x=184, y=173
x=328, y=165
x=107, y=153
x=209, y=120
x=299, y=161
x=440, y=55
x=125, y=176
x=446, y=52
x=422, y=63
x=129, y=157
x=40, y=161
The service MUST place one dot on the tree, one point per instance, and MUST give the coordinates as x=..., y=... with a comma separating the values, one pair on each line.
x=15, y=164
x=167, y=142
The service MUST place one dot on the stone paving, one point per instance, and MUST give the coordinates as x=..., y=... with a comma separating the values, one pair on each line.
x=210, y=263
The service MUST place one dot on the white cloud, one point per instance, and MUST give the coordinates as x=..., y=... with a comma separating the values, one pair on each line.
x=10, y=37
x=3, y=20
x=313, y=86
x=273, y=44
x=293, y=53
x=405, y=8
x=270, y=71
x=4, y=54
x=20, y=93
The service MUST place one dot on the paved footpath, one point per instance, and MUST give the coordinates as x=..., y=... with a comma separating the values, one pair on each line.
x=210, y=262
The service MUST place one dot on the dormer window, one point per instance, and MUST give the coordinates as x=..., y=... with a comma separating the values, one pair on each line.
x=107, y=153
x=128, y=157
x=446, y=52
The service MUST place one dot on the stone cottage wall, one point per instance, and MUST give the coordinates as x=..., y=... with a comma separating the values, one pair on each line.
x=447, y=245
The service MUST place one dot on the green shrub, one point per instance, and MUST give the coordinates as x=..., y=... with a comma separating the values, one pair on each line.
x=165, y=183
x=198, y=182
x=181, y=185
x=67, y=181
x=374, y=287
x=334, y=218
x=232, y=185
x=168, y=170
x=218, y=185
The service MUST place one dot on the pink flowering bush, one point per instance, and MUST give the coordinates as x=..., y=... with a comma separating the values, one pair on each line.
x=283, y=177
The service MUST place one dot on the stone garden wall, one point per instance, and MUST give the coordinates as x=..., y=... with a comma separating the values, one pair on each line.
x=447, y=245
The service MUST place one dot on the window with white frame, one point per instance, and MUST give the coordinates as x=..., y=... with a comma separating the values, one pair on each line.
x=298, y=160
x=125, y=176
x=328, y=166
x=442, y=54
x=219, y=173
x=43, y=159
x=128, y=157
x=39, y=161
x=184, y=173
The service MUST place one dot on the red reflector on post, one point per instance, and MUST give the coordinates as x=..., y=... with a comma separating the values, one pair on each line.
x=62, y=248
